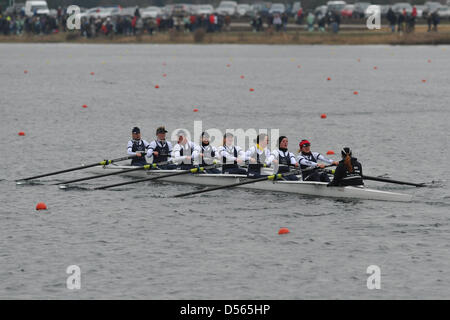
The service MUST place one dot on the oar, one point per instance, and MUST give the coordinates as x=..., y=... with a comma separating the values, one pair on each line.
x=271, y=177
x=146, y=167
x=388, y=180
x=393, y=181
x=101, y=163
x=194, y=170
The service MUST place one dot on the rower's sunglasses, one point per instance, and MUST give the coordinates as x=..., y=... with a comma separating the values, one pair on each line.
x=306, y=145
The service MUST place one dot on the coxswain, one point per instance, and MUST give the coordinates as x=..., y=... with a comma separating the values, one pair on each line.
x=184, y=152
x=286, y=159
x=259, y=156
x=348, y=172
x=207, y=153
x=309, y=163
x=232, y=156
x=137, y=147
x=160, y=150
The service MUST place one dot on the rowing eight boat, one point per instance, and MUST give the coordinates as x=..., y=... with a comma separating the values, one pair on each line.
x=297, y=187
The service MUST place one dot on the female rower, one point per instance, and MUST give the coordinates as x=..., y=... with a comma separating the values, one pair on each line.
x=259, y=156
x=285, y=158
x=137, y=147
x=348, y=172
x=232, y=156
x=207, y=153
x=308, y=161
x=184, y=152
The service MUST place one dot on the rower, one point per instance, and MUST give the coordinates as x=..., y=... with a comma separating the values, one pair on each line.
x=285, y=158
x=160, y=149
x=309, y=160
x=348, y=172
x=207, y=153
x=259, y=156
x=137, y=147
x=232, y=156
x=184, y=152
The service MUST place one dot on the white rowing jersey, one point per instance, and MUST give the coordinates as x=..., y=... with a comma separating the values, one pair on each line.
x=311, y=159
x=264, y=156
x=137, y=146
x=181, y=152
x=231, y=153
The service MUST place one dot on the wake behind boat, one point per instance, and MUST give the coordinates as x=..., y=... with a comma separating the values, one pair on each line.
x=311, y=188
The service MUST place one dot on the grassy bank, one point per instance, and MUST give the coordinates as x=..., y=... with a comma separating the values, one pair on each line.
x=419, y=37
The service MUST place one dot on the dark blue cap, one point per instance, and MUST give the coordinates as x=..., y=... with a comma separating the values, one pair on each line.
x=136, y=130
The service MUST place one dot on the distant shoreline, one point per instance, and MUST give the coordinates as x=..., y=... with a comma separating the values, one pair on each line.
x=345, y=37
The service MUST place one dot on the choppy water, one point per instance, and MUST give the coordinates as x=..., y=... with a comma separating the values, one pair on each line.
x=138, y=243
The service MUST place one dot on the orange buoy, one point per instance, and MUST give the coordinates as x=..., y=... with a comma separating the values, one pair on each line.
x=164, y=75
x=195, y=110
x=323, y=116
x=242, y=77
x=84, y=106
x=92, y=73
x=299, y=66
x=251, y=89
x=429, y=61
x=283, y=231
x=424, y=80
x=355, y=92
x=228, y=65
x=41, y=206
x=328, y=78
x=156, y=87
x=359, y=60
x=330, y=152
x=25, y=71
x=375, y=68
x=21, y=133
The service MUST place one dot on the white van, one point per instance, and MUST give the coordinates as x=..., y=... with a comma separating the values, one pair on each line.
x=38, y=7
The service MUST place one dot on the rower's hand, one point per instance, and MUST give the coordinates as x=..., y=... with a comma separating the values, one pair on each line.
x=138, y=154
x=275, y=161
x=252, y=160
x=239, y=161
x=155, y=153
x=188, y=157
x=321, y=165
x=201, y=155
x=296, y=165
x=335, y=163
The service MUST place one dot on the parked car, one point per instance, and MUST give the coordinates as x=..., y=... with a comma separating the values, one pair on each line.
x=243, y=9
x=277, y=8
x=227, y=8
x=333, y=6
x=320, y=11
x=360, y=9
x=261, y=8
x=168, y=9
x=399, y=7
x=16, y=8
x=347, y=12
x=205, y=9
x=151, y=12
x=432, y=5
x=444, y=12
x=36, y=7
